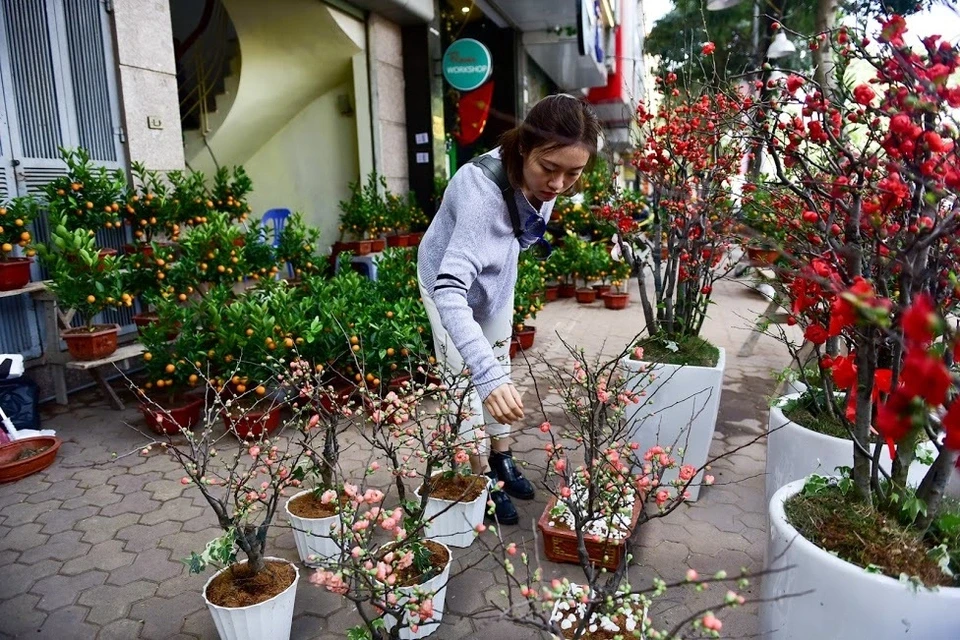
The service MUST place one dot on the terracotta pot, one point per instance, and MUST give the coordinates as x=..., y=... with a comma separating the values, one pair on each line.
x=514, y=348
x=616, y=300
x=92, y=345
x=560, y=545
x=762, y=257
x=567, y=290
x=186, y=416
x=142, y=248
x=254, y=424
x=14, y=273
x=239, y=242
x=377, y=245
x=148, y=318
x=398, y=381
x=601, y=289
x=551, y=293
x=414, y=239
x=586, y=296
x=12, y=469
x=398, y=240
x=362, y=247
x=525, y=337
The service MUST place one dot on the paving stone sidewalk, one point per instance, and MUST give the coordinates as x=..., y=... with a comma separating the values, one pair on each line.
x=91, y=548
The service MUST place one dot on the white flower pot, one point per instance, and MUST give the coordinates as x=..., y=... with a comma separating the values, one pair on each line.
x=436, y=585
x=846, y=601
x=312, y=535
x=453, y=523
x=269, y=620
x=795, y=452
x=680, y=409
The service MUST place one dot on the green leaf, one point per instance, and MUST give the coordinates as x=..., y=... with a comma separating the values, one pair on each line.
x=358, y=632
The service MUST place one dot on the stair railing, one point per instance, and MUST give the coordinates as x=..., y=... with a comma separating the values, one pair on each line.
x=202, y=66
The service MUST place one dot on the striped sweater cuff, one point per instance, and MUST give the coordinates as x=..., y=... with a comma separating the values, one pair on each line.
x=494, y=379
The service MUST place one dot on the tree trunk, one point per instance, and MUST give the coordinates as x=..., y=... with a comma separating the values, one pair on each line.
x=823, y=62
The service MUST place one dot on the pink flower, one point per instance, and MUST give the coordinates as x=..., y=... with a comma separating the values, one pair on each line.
x=314, y=420
x=560, y=465
x=426, y=610
x=373, y=496
x=662, y=496
x=708, y=49
x=691, y=575
x=184, y=480
x=480, y=528
x=638, y=353
x=461, y=457
x=374, y=465
x=603, y=396
x=711, y=623
x=328, y=496
x=545, y=427
x=708, y=480
x=687, y=472
x=254, y=452
x=565, y=492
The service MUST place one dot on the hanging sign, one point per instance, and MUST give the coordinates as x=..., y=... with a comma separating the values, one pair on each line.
x=467, y=64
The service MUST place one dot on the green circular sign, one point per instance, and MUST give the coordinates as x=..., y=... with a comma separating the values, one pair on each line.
x=467, y=64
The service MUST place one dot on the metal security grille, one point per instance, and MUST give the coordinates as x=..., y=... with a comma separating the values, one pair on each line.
x=32, y=66
x=91, y=94
x=57, y=89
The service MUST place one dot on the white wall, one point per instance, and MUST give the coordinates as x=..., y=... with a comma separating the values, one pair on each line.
x=386, y=51
x=308, y=164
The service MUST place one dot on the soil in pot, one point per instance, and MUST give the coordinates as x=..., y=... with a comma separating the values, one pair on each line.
x=692, y=351
x=22, y=458
x=309, y=506
x=864, y=536
x=457, y=488
x=238, y=587
x=411, y=576
x=807, y=411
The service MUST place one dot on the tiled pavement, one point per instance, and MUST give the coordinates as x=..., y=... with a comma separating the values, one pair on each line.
x=91, y=548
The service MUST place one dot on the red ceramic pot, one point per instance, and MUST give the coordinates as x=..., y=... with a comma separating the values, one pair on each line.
x=567, y=290
x=14, y=273
x=514, y=348
x=12, y=468
x=616, y=300
x=377, y=245
x=254, y=424
x=398, y=240
x=186, y=415
x=92, y=345
x=586, y=296
x=525, y=337
x=551, y=293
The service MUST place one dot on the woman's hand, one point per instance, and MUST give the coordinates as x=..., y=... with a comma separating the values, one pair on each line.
x=504, y=404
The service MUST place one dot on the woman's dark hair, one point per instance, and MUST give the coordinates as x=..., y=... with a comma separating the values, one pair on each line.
x=556, y=121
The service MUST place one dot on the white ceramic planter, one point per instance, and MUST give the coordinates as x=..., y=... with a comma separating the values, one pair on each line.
x=436, y=585
x=795, y=452
x=269, y=620
x=312, y=535
x=846, y=602
x=680, y=409
x=453, y=523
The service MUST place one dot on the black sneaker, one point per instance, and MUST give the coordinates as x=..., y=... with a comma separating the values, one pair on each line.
x=503, y=510
x=514, y=483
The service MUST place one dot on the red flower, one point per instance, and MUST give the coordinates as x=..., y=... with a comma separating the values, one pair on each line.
x=794, y=82
x=844, y=372
x=895, y=419
x=919, y=320
x=708, y=49
x=863, y=94
x=816, y=334
x=951, y=424
x=925, y=375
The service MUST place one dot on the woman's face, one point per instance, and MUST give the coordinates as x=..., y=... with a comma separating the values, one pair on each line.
x=548, y=174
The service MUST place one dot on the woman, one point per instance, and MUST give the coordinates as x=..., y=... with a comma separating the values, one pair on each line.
x=468, y=268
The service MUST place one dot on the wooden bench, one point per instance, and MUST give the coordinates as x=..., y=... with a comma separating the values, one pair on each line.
x=93, y=368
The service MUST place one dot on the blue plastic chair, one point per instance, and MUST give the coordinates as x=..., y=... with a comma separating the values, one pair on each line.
x=277, y=218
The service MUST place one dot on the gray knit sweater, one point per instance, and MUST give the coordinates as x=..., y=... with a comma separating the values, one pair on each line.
x=468, y=260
